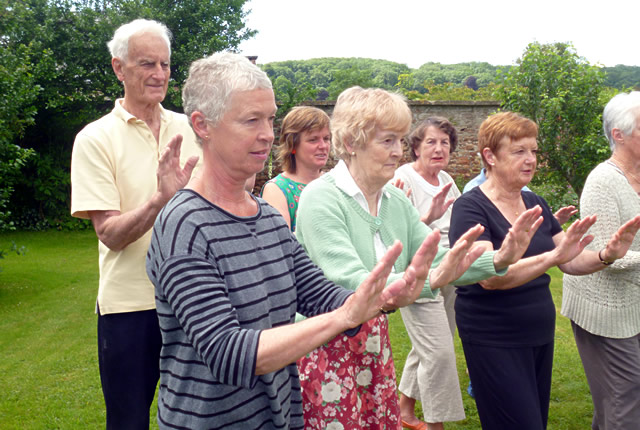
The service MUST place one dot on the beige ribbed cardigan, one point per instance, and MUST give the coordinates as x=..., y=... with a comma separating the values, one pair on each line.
x=607, y=303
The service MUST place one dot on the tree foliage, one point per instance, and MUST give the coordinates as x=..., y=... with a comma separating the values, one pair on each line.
x=456, y=74
x=622, y=77
x=446, y=91
x=564, y=95
x=65, y=71
x=18, y=91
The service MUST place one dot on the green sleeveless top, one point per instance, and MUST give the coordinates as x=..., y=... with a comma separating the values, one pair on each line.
x=291, y=190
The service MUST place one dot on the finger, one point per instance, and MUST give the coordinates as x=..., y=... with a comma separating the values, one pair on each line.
x=175, y=142
x=426, y=253
x=631, y=227
x=474, y=253
x=586, y=224
x=472, y=234
x=173, y=147
x=392, y=290
x=374, y=282
x=580, y=227
x=448, y=203
x=586, y=241
x=429, y=244
x=535, y=225
x=527, y=219
x=385, y=265
x=459, y=249
x=445, y=189
x=190, y=165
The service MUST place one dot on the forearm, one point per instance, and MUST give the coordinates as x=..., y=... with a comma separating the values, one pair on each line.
x=482, y=268
x=525, y=270
x=585, y=263
x=118, y=230
x=283, y=345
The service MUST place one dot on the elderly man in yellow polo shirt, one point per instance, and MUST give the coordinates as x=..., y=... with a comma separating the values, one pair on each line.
x=125, y=167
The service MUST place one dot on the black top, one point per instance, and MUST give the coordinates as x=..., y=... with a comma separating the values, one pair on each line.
x=521, y=316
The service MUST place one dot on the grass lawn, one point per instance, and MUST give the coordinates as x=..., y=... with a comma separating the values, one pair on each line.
x=570, y=408
x=49, y=370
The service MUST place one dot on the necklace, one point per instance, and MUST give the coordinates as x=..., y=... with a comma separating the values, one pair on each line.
x=631, y=178
x=506, y=205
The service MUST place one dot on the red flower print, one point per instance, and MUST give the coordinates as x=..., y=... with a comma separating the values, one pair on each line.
x=314, y=392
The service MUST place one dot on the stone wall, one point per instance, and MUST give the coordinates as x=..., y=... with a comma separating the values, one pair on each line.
x=466, y=116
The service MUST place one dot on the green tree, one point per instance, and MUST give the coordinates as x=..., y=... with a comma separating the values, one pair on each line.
x=622, y=77
x=289, y=95
x=17, y=93
x=564, y=95
x=346, y=78
x=77, y=85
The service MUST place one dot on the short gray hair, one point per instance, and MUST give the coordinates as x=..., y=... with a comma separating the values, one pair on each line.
x=119, y=45
x=621, y=113
x=213, y=79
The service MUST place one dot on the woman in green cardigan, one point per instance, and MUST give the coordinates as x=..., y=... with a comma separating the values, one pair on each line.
x=346, y=220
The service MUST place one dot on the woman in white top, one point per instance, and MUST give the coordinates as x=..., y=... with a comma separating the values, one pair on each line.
x=430, y=372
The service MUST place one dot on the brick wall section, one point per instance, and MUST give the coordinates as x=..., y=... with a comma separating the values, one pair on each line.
x=466, y=116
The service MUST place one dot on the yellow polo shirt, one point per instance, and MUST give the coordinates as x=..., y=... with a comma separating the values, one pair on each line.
x=113, y=167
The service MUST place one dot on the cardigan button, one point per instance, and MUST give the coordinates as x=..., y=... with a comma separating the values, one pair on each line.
x=378, y=221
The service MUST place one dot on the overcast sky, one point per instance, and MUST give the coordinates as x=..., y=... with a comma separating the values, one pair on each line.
x=414, y=32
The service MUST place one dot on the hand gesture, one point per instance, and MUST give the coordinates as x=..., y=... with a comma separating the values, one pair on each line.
x=563, y=214
x=170, y=176
x=458, y=259
x=399, y=183
x=574, y=240
x=371, y=295
x=439, y=205
x=621, y=240
x=518, y=238
x=416, y=273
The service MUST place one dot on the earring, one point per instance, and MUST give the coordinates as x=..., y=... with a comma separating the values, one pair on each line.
x=293, y=152
x=353, y=153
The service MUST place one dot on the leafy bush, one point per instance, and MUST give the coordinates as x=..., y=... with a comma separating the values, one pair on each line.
x=557, y=196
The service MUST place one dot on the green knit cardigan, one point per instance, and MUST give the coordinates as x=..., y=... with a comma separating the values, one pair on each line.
x=338, y=233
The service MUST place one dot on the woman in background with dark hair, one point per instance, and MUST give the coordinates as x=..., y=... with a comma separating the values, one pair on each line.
x=430, y=372
x=305, y=141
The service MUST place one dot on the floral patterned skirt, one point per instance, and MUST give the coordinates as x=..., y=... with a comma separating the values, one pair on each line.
x=350, y=382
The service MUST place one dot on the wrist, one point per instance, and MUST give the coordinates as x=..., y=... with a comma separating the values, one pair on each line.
x=498, y=262
x=602, y=258
x=342, y=317
x=434, y=281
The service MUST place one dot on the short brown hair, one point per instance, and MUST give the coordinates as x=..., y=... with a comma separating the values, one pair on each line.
x=299, y=119
x=504, y=124
x=417, y=135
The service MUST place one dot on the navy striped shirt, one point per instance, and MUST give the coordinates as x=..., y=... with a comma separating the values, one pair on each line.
x=220, y=280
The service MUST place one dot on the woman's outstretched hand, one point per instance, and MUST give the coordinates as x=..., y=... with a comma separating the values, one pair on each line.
x=372, y=294
x=416, y=273
x=518, y=238
x=458, y=259
x=621, y=240
x=439, y=205
x=563, y=214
